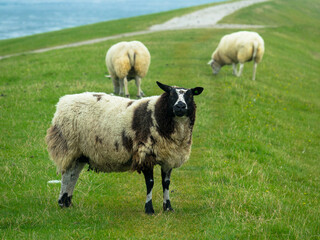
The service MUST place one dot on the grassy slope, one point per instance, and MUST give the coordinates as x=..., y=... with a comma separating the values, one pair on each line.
x=254, y=170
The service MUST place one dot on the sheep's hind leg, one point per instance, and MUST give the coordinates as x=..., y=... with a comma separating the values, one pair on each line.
x=125, y=83
x=68, y=182
x=148, y=176
x=254, y=71
x=121, y=83
x=165, y=185
x=140, y=93
x=116, y=85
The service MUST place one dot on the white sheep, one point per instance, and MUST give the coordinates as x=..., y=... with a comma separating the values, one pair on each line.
x=126, y=61
x=115, y=134
x=238, y=47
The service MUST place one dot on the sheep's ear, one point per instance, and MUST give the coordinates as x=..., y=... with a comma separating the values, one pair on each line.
x=210, y=62
x=197, y=90
x=164, y=87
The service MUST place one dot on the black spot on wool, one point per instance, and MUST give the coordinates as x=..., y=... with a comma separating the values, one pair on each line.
x=98, y=140
x=116, y=145
x=142, y=122
x=129, y=103
x=126, y=141
x=164, y=116
x=98, y=96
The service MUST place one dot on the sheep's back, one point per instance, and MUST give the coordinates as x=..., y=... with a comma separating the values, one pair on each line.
x=95, y=125
x=238, y=46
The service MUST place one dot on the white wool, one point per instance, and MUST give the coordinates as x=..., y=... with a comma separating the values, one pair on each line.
x=126, y=61
x=93, y=125
x=238, y=47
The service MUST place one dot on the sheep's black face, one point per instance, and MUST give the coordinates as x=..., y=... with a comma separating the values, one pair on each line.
x=180, y=99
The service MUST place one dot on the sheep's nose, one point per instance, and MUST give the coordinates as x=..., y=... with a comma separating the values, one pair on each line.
x=180, y=105
x=180, y=109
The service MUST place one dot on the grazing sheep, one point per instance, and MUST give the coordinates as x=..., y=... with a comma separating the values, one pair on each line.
x=126, y=61
x=115, y=134
x=238, y=47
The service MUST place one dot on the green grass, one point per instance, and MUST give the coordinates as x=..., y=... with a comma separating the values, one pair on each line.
x=254, y=169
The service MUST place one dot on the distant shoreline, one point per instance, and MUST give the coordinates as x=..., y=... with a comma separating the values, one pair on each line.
x=25, y=18
x=205, y=18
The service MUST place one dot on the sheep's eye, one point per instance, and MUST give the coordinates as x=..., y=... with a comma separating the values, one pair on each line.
x=172, y=93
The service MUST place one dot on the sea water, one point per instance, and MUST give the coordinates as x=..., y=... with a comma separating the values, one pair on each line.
x=26, y=17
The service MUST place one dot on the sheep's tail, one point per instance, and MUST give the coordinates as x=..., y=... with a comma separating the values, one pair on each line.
x=255, y=49
x=132, y=56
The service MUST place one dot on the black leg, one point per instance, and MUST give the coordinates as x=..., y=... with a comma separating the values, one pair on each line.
x=148, y=176
x=165, y=185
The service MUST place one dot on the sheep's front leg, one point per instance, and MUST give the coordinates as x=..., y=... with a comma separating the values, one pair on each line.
x=165, y=185
x=68, y=182
x=148, y=176
x=234, y=68
x=240, y=69
x=140, y=93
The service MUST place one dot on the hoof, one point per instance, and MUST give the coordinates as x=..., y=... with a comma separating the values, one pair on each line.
x=127, y=96
x=149, y=208
x=65, y=201
x=167, y=207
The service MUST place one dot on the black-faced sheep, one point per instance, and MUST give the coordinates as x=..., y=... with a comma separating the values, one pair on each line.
x=126, y=61
x=115, y=134
x=238, y=47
